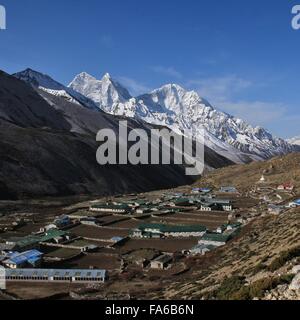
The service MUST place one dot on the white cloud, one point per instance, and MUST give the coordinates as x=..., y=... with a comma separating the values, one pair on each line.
x=168, y=71
x=255, y=112
x=134, y=87
x=220, y=88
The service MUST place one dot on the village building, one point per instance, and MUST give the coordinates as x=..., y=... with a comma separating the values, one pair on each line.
x=195, y=191
x=89, y=248
x=161, y=263
x=215, y=239
x=221, y=229
x=90, y=221
x=233, y=226
x=229, y=227
x=182, y=202
x=163, y=230
x=118, y=240
x=201, y=249
x=62, y=222
x=33, y=241
x=286, y=187
x=201, y=190
x=141, y=262
x=111, y=208
x=228, y=190
x=274, y=209
x=209, y=207
x=131, y=203
x=216, y=205
x=48, y=227
x=141, y=233
x=5, y=247
x=32, y=258
x=143, y=210
x=243, y=220
x=294, y=204
x=56, y=275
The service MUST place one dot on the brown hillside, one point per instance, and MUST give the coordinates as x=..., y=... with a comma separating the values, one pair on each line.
x=260, y=259
x=276, y=171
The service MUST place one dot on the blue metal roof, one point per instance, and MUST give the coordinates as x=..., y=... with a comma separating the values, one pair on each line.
x=117, y=239
x=297, y=201
x=20, y=258
x=202, y=189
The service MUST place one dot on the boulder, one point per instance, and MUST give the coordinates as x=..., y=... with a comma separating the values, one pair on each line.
x=295, y=285
x=296, y=269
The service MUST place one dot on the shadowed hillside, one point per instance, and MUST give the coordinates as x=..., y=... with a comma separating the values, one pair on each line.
x=48, y=148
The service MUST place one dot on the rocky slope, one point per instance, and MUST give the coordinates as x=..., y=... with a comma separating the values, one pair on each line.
x=263, y=261
x=257, y=265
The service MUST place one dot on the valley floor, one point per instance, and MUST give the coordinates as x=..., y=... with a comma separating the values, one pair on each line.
x=260, y=260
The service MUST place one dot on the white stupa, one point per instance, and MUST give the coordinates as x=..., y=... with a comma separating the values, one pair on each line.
x=262, y=179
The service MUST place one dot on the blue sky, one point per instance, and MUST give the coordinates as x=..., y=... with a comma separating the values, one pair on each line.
x=243, y=56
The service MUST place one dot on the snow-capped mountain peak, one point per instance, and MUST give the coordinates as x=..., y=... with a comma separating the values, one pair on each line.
x=84, y=76
x=46, y=83
x=106, y=93
x=182, y=110
x=107, y=77
x=294, y=141
x=37, y=79
x=171, y=106
x=172, y=98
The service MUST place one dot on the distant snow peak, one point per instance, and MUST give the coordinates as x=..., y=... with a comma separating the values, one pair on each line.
x=46, y=83
x=106, y=93
x=179, y=109
x=294, y=141
x=38, y=79
x=84, y=76
x=171, y=106
x=106, y=76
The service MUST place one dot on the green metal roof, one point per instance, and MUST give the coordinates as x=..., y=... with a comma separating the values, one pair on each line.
x=51, y=234
x=218, y=237
x=27, y=241
x=170, y=228
x=111, y=206
x=33, y=240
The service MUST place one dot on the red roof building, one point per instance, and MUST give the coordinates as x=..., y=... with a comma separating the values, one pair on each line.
x=286, y=186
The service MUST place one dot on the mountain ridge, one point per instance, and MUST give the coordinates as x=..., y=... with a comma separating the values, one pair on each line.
x=181, y=110
x=48, y=148
x=294, y=141
x=46, y=83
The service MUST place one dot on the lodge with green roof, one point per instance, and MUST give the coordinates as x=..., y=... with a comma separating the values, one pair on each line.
x=34, y=241
x=153, y=230
x=216, y=239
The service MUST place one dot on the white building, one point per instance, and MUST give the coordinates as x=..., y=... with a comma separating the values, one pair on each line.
x=56, y=275
x=121, y=209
